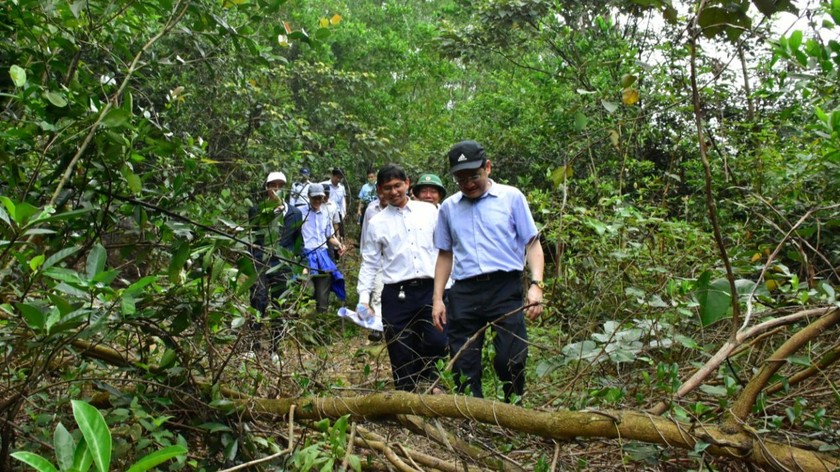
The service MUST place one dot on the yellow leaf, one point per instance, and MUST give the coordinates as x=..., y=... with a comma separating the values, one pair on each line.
x=288, y=27
x=323, y=22
x=629, y=96
x=756, y=257
x=336, y=19
x=771, y=285
x=614, y=138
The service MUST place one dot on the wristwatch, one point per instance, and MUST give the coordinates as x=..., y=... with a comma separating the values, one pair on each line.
x=538, y=283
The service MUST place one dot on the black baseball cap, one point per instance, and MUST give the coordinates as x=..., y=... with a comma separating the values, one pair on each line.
x=466, y=155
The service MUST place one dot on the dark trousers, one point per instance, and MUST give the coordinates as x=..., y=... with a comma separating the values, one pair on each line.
x=474, y=303
x=414, y=345
x=322, y=282
x=264, y=293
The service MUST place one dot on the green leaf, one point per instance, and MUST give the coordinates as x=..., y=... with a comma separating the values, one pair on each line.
x=59, y=256
x=580, y=121
x=35, y=461
x=714, y=298
x=34, y=317
x=157, y=457
x=116, y=118
x=795, y=40
x=65, y=447
x=132, y=179
x=56, y=99
x=36, y=262
x=355, y=462
x=82, y=460
x=714, y=390
x=137, y=287
x=18, y=75
x=96, y=260
x=215, y=427
x=96, y=433
x=627, y=80
x=179, y=258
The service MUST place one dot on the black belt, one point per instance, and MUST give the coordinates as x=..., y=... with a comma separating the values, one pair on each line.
x=413, y=283
x=490, y=276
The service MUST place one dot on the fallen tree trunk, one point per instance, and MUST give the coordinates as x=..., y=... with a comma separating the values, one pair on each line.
x=618, y=424
x=625, y=425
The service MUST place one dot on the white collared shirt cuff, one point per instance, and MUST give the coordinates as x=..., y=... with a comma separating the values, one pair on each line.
x=364, y=297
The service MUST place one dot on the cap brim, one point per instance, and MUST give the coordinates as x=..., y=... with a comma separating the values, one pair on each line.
x=466, y=166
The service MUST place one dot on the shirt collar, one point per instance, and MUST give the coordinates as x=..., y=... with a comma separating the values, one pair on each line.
x=493, y=190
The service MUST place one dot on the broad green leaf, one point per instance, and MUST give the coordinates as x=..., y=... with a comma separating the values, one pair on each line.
x=33, y=316
x=137, y=287
x=36, y=262
x=18, y=75
x=714, y=390
x=561, y=174
x=714, y=298
x=179, y=258
x=35, y=461
x=82, y=460
x=355, y=462
x=96, y=433
x=59, y=256
x=627, y=80
x=116, y=117
x=157, y=458
x=65, y=447
x=95, y=260
x=132, y=180
x=580, y=121
x=128, y=304
x=215, y=427
x=795, y=40
x=56, y=99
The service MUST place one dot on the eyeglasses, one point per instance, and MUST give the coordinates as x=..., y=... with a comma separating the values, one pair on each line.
x=465, y=180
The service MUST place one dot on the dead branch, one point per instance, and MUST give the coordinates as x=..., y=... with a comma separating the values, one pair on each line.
x=726, y=350
x=745, y=401
x=825, y=360
x=371, y=438
x=455, y=444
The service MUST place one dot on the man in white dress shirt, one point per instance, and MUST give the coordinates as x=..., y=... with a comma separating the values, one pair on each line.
x=400, y=240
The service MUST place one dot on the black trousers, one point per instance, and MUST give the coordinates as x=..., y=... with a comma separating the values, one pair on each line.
x=414, y=345
x=473, y=303
x=322, y=283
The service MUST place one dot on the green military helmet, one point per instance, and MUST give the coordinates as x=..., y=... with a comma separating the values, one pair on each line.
x=430, y=180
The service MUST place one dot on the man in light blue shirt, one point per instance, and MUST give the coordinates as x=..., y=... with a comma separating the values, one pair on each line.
x=367, y=195
x=318, y=233
x=486, y=232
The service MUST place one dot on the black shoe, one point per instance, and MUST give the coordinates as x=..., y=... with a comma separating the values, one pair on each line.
x=375, y=336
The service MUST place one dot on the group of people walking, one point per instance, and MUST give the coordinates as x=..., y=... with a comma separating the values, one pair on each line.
x=446, y=269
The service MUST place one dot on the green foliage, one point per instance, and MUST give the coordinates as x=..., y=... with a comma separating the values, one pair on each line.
x=94, y=447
